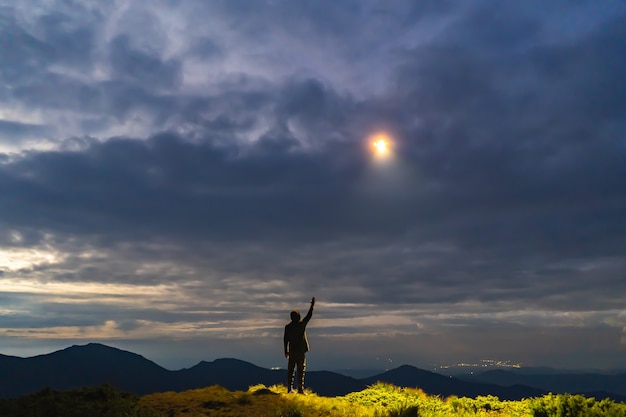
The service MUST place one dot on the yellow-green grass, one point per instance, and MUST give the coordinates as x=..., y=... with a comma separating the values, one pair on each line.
x=378, y=400
x=258, y=401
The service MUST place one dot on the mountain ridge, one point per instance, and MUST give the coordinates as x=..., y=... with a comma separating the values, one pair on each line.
x=434, y=383
x=566, y=382
x=96, y=364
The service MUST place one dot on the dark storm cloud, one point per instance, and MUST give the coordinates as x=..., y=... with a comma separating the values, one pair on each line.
x=50, y=64
x=23, y=54
x=167, y=184
x=522, y=159
x=494, y=142
x=505, y=196
x=142, y=67
x=55, y=38
x=10, y=130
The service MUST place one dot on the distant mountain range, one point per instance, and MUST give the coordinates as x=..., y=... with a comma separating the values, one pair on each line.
x=96, y=364
x=555, y=382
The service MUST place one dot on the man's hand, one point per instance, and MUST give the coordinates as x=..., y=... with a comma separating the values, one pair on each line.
x=286, y=355
x=313, y=301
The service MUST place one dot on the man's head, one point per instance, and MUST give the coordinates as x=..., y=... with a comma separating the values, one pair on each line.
x=295, y=315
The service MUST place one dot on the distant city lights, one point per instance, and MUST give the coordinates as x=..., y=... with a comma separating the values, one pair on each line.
x=483, y=363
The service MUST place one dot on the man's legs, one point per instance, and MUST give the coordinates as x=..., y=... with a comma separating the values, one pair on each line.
x=291, y=365
x=301, y=367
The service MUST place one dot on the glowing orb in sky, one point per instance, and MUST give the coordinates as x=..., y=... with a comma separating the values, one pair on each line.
x=381, y=144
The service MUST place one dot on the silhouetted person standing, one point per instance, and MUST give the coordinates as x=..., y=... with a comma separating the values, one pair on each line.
x=296, y=345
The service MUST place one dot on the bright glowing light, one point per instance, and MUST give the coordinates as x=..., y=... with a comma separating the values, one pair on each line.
x=381, y=144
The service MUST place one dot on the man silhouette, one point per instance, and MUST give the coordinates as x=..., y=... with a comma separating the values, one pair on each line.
x=296, y=345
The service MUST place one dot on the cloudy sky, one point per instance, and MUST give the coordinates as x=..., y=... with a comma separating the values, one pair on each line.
x=175, y=177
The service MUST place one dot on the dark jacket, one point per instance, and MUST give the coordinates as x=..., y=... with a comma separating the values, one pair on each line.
x=295, y=340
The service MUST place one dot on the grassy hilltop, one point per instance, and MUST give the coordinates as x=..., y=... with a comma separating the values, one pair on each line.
x=378, y=400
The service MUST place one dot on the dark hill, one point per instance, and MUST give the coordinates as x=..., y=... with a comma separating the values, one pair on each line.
x=331, y=384
x=436, y=384
x=232, y=374
x=235, y=374
x=565, y=382
x=96, y=364
x=77, y=366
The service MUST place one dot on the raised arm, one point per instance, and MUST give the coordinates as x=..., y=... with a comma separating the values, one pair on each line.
x=310, y=313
